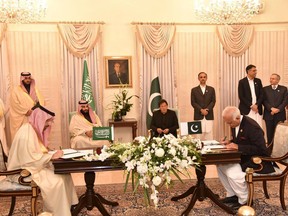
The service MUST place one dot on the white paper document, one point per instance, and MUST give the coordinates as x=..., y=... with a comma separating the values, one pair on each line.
x=209, y=145
x=214, y=147
x=73, y=153
x=210, y=142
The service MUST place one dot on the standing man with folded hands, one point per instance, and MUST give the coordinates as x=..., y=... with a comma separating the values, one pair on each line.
x=274, y=101
x=203, y=99
x=250, y=92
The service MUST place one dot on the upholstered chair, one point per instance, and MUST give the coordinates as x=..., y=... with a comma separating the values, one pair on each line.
x=279, y=155
x=17, y=183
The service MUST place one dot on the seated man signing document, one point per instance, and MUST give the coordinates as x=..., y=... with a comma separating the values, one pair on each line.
x=29, y=151
x=248, y=138
x=81, y=127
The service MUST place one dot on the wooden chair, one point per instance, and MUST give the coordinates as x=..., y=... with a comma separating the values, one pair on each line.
x=280, y=155
x=24, y=186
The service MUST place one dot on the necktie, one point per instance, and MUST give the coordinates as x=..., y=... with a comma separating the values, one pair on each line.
x=274, y=87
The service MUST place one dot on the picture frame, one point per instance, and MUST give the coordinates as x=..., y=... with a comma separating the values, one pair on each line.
x=118, y=71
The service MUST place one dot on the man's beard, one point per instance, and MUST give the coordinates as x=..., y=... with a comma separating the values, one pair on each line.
x=84, y=111
x=86, y=115
x=27, y=86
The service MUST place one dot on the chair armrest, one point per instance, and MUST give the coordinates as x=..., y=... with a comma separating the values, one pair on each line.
x=23, y=174
x=258, y=161
x=10, y=172
x=150, y=133
x=23, y=178
x=275, y=159
x=178, y=133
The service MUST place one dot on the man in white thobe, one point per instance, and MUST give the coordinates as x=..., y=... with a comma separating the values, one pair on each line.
x=22, y=100
x=81, y=127
x=29, y=151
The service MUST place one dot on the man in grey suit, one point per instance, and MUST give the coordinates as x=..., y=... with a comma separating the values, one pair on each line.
x=251, y=95
x=274, y=101
x=203, y=100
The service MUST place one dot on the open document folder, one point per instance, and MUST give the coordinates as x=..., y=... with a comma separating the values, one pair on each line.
x=212, y=144
x=73, y=153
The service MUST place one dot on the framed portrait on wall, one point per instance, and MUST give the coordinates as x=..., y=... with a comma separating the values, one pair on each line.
x=118, y=71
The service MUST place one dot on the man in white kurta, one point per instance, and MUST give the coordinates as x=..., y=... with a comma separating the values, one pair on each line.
x=22, y=100
x=81, y=126
x=29, y=151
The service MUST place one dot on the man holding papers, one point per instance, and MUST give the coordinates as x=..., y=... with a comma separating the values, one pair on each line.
x=248, y=138
x=81, y=127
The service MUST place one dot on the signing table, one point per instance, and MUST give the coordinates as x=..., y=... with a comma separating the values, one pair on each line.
x=90, y=198
x=200, y=191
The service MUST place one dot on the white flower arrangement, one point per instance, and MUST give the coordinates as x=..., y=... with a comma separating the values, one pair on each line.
x=150, y=162
x=121, y=103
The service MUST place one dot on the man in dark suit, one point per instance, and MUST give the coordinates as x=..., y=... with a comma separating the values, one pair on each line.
x=251, y=95
x=248, y=138
x=164, y=120
x=274, y=101
x=203, y=100
x=117, y=76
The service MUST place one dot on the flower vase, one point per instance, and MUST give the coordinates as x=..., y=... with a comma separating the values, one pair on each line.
x=117, y=116
x=123, y=113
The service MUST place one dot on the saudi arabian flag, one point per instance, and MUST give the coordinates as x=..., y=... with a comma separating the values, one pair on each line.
x=87, y=87
x=155, y=97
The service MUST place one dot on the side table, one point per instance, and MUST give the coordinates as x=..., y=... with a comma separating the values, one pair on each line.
x=127, y=122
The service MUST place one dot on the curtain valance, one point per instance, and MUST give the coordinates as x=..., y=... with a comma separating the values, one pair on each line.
x=156, y=39
x=80, y=39
x=235, y=38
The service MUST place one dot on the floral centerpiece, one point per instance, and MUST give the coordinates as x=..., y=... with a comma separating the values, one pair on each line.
x=121, y=103
x=150, y=162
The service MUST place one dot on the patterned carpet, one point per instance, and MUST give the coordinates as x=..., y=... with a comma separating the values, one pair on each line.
x=134, y=205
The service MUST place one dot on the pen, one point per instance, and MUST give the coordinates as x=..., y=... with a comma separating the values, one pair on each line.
x=71, y=153
x=60, y=147
x=225, y=138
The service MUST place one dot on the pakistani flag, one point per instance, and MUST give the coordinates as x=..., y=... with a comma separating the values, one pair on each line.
x=87, y=87
x=190, y=128
x=155, y=97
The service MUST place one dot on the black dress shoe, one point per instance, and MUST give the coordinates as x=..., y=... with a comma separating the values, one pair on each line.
x=232, y=199
x=236, y=206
